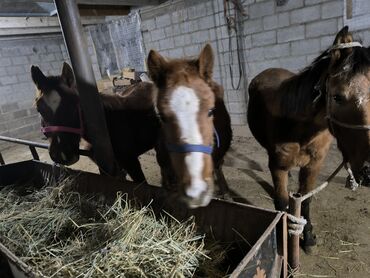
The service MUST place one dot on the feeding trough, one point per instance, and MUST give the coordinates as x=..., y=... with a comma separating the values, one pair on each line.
x=257, y=234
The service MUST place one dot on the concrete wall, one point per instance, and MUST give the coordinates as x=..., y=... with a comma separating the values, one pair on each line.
x=289, y=36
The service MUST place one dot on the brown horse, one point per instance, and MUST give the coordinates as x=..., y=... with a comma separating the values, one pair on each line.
x=287, y=114
x=196, y=125
x=348, y=106
x=132, y=121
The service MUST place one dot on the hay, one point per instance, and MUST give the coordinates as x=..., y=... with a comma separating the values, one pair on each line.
x=60, y=233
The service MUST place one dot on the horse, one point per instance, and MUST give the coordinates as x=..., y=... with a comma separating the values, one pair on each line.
x=196, y=127
x=289, y=115
x=348, y=107
x=132, y=121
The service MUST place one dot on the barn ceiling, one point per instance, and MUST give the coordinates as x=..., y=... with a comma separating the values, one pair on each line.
x=29, y=8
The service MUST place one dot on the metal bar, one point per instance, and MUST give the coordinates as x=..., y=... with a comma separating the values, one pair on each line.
x=293, y=246
x=2, y=162
x=34, y=153
x=96, y=127
x=36, y=144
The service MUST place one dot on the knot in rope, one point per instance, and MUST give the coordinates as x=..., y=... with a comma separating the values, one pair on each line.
x=296, y=224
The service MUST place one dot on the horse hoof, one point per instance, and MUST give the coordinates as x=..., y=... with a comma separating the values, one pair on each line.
x=351, y=183
x=311, y=249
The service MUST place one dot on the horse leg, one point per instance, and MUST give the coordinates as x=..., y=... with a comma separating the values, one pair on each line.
x=307, y=178
x=280, y=180
x=133, y=168
x=164, y=161
x=220, y=180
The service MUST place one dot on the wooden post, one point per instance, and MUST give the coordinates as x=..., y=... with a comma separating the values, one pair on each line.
x=293, y=254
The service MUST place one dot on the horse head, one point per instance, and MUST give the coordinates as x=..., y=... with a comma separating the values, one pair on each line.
x=348, y=102
x=57, y=102
x=186, y=103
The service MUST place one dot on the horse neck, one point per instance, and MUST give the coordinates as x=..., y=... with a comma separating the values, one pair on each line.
x=303, y=95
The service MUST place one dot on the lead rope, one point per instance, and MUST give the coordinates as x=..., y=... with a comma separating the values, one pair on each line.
x=231, y=25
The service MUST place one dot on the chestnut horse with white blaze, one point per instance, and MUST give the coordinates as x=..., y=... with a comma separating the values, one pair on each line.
x=195, y=123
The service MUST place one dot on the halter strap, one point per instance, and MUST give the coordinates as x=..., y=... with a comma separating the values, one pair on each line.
x=346, y=45
x=350, y=126
x=189, y=148
x=56, y=128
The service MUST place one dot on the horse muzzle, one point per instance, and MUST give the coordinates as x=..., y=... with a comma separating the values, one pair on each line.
x=64, y=158
x=201, y=198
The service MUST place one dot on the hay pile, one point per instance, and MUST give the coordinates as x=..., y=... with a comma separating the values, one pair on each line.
x=60, y=233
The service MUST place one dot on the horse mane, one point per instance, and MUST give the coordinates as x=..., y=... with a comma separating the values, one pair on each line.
x=358, y=61
x=299, y=91
x=139, y=96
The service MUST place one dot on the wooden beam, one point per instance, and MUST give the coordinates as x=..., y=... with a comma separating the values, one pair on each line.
x=28, y=31
x=25, y=22
x=11, y=26
x=103, y=10
x=120, y=2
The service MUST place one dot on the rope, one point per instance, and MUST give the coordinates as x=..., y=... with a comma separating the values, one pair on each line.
x=296, y=224
x=351, y=181
x=232, y=25
x=346, y=45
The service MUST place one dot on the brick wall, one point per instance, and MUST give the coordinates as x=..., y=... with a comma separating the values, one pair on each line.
x=289, y=36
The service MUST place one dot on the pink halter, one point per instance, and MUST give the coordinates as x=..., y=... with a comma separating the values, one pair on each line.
x=53, y=128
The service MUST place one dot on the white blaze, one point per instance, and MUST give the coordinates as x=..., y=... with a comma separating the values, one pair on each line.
x=52, y=99
x=184, y=104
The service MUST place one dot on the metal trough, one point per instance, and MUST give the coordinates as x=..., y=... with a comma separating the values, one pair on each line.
x=257, y=233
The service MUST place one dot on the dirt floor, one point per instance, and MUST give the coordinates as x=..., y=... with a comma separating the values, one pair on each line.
x=341, y=217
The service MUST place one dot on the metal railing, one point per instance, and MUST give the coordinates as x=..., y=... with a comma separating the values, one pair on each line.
x=32, y=146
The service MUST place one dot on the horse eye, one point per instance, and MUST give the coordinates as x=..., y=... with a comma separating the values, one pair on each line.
x=338, y=98
x=211, y=112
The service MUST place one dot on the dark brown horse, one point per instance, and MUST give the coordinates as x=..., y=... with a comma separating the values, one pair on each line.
x=132, y=121
x=287, y=114
x=196, y=125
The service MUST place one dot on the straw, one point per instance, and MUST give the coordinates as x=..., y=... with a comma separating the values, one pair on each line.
x=60, y=233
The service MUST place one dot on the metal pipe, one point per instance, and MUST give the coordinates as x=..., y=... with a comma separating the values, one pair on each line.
x=36, y=144
x=293, y=246
x=96, y=127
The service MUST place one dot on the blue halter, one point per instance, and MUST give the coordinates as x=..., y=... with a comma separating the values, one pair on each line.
x=191, y=148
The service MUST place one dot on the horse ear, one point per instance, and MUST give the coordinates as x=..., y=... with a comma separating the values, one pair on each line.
x=38, y=77
x=338, y=55
x=156, y=66
x=206, y=60
x=67, y=75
